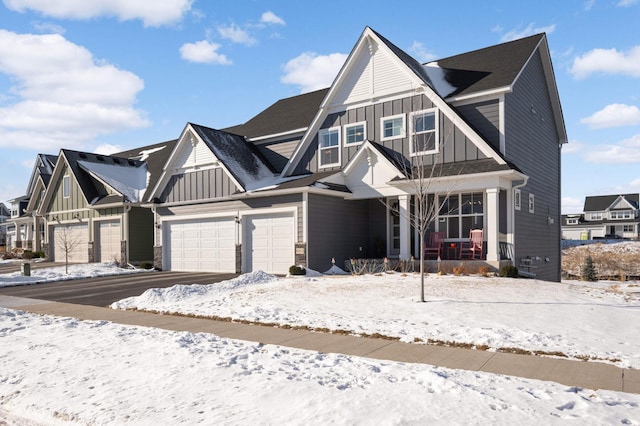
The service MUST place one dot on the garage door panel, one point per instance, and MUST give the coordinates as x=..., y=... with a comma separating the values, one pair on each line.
x=108, y=238
x=270, y=243
x=201, y=245
x=75, y=237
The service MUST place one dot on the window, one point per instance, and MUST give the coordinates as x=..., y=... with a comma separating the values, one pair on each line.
x=595, y=215
x=627, y=228
x=393, y=127
x=517, y=199
x=329, y=147
x=621, y=214
x=355, y=133
x=460, y=213
x=531, y=203
x=66, y=186
x=424, y=135
x=572, y=221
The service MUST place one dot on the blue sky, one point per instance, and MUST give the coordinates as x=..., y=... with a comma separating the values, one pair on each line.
x=111, y=75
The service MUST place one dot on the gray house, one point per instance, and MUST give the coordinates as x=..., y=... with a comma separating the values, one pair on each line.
x=604, y=216
x=328, y=175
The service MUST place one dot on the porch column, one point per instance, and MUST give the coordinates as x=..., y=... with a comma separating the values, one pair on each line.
x=493, y=224
x=405, y=226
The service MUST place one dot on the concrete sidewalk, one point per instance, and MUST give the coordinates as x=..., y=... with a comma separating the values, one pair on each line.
x=592, y=375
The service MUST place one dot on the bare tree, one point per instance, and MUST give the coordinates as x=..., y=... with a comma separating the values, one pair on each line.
x=68, y=243
x=421, y=178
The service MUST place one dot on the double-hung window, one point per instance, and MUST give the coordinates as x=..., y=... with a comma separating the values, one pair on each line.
x=393, y=127
x=355, y=134
x=329, y=147
x=517, y=197
x=424, y=135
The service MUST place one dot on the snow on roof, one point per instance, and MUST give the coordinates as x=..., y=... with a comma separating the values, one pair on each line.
x=147, y=152
x=131, y=182
x=438, y=77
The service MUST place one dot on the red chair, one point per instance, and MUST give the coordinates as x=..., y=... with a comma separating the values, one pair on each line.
x=472, y=249
x=434, y=248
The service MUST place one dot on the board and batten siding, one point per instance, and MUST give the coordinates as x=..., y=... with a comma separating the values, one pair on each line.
x=232, y=207
x=198, y=185
x=67, y=205
x=532, y=144
x=337, y=229
x=454, y=145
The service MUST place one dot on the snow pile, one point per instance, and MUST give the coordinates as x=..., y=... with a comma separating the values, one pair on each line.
x=63, y=370
x=130, y=182
x=572, y=318
x=47, y=275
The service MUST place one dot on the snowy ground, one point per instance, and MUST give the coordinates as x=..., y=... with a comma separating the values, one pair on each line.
x=66, y=371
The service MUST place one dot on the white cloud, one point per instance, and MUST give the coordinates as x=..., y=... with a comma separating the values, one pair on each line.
x=571, y=205
x=627, y=3
x=203, y=52
x=525, y=32
x=589, y=4
x=151, y=13
x=311, y=71
x=420, y=52
x=614, y=115
x=269, y=17
x=236, y=34
x=573, y=147
x=48, y=28
x=625, y=152
x=62, y=95
x=607, y=61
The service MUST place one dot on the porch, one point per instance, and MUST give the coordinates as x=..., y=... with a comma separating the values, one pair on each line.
x=458, y=267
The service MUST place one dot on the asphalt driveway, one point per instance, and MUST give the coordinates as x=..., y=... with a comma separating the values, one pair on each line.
x=102, y=291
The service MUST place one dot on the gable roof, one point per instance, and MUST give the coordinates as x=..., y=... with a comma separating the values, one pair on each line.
x=604, y=202
x=285, y=116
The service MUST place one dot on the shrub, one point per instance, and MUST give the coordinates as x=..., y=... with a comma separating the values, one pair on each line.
x=509, y=271
x=484, y=271
x=297, y=270
x=589, y=270
x=146, y=265
x=458, y=270
x=27, y=255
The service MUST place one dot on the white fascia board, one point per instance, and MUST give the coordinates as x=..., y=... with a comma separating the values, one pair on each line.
x=477, y=181
x=164, y=177
x=266, y=138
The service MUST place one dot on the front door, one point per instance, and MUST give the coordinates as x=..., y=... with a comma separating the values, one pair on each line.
x=393, y=227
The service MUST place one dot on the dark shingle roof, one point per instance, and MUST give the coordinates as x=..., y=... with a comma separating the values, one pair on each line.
x=314, y=179
x=603, y=202
x=283, y=116
x=155, y=156
x=491, y=67
x=485, y=165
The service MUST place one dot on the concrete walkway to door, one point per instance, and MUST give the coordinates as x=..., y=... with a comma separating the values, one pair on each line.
x=583, y=374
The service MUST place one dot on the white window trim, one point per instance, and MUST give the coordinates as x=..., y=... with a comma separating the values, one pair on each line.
x=517, y=199
x=572, y=221
x=436, y=132
x=66, y=186
x=393, y=117
x=531, y=203
x=321, y=133
x=364, y=131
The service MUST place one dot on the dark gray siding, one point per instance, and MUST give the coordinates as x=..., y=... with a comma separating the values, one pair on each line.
x=278, y=153
x=140, y=235
x=454, y=146
x=485, y=118
x=200, y=185
x=532, y=145
x=337, y=229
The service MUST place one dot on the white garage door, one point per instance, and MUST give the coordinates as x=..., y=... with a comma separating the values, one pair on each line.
x=108, y=240
x=201, y=245
x=270, y=243
x=71, y=242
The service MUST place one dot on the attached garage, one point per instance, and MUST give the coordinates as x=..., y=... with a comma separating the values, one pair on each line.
x=70, y=241
x=269, y=243
x=206, y=245
x=108, y=240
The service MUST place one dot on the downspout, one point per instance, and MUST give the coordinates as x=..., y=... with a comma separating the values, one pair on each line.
x=125, y=219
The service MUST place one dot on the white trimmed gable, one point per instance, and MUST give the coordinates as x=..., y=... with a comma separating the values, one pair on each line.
x=621, y=204
x=374, y=73
x=195, y=155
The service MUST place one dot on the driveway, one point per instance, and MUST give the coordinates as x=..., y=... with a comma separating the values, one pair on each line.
x=102, y=291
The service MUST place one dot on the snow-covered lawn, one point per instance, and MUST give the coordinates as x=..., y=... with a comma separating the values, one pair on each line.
x=58, y=273
x=595, y=320
x=66, y=371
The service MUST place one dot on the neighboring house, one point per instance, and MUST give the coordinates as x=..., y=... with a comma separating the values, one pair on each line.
x=94, y=209
x=302, y=181
x=604, y=216
x=26, y=228
x=4, y=216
